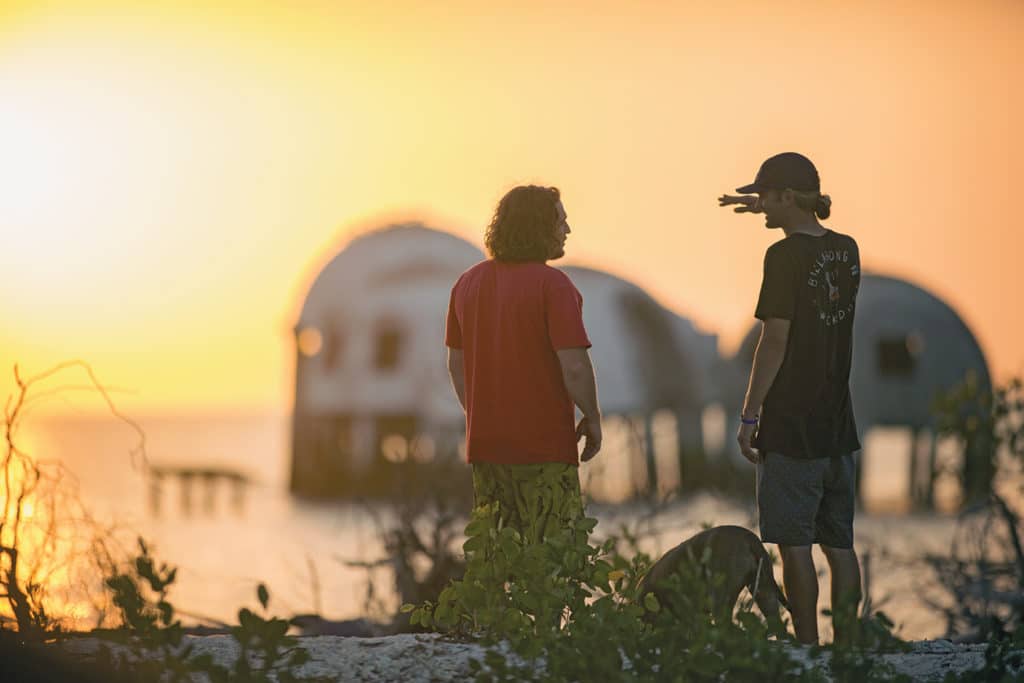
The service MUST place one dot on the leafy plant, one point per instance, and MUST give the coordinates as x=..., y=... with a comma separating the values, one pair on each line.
x=984, y=572
x=564, y=610
x=511, y=586
x=986, y=423
x=267, y=652
x=150, y=633
x=1004, y=662
x=154, y=639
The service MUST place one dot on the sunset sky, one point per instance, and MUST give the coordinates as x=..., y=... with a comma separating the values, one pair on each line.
x=173, y=174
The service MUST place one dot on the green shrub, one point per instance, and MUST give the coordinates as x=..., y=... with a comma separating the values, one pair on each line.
x=564, y=610
x=152, y=639
x=1004, y=662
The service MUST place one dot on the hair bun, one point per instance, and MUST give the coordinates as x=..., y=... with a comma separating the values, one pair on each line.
x=824, y=206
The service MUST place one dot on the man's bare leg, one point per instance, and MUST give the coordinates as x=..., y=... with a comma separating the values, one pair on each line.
x=846, y=591
x=801, y=591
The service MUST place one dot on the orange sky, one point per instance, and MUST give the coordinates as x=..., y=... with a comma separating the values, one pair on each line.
x=173, y=173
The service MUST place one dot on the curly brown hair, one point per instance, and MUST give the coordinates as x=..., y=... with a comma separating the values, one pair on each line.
x=523, y=227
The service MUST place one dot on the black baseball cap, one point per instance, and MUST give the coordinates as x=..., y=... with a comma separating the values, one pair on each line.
x=786, y=171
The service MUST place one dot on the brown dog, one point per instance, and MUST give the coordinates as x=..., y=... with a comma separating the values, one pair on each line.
x=735, y=554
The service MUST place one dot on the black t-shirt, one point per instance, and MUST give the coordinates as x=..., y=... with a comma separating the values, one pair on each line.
x=812, y=282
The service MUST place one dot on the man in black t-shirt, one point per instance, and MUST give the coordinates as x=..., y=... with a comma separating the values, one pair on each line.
x=797, y=422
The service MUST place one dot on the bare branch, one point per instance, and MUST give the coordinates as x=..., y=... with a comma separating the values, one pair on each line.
x=45, y=545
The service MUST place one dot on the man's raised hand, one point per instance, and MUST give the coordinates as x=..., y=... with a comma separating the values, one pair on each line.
x=747, y=203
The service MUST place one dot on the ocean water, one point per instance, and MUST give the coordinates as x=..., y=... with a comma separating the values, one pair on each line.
x=225, y=544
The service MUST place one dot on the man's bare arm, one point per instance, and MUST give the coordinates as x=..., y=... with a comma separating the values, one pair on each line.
x=768, y=357
x=578, y=375
x=457, y=372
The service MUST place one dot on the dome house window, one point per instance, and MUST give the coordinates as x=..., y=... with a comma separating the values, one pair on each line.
x=897, y=355
x=387, y=349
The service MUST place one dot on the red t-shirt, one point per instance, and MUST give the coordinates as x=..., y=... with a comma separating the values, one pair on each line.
x=509, y=319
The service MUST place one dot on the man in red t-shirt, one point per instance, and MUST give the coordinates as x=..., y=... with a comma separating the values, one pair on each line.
x=518, y=360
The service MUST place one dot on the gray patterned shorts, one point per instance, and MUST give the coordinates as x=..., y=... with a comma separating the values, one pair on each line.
x=802, y=501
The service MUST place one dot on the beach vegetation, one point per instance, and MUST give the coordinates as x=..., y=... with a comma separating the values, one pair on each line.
x=567, y=610
x=983, y=574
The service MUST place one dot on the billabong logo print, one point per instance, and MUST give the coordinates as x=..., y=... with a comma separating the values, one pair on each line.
x=833, y=284
x=833, y=288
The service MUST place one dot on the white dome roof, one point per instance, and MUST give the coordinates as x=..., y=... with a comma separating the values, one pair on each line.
x=401, y=275
x=401, y=254
x=891, y=306
x=891, y=310
x=640, y=348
